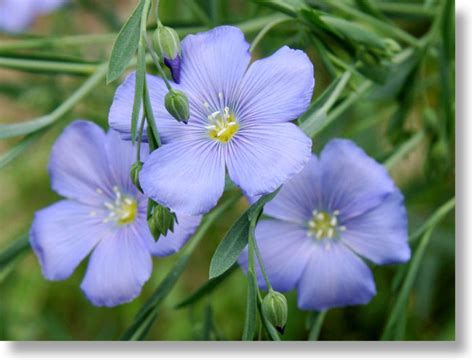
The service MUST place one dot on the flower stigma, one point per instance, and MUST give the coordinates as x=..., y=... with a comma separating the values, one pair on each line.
x=123, y=210
x=222, y=125
x=324, y=225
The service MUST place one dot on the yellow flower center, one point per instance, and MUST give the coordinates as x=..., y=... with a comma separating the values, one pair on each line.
x=222, y=125
x=123, y=210
x=324, y=226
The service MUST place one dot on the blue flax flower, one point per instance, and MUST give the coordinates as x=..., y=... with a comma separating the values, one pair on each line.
x=341, y=207
x=240, y=120
x=103, y=215
x=18, y=15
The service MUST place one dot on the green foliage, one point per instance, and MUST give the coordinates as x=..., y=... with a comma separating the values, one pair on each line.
x=384, y=78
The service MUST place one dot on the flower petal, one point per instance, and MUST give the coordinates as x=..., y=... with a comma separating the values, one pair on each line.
x=276, y=89
x=118, y=268
x=16, y=16
x=380, y=234
x=175, y=240
x=334, y=277
x=121, y=155
x=214, y=62
x=120, y=114
x=353, y=182
x=186, y=176
x=78, y=163
x=285, y=250
x=62, y=235
x=299, y=196
x=262, y=157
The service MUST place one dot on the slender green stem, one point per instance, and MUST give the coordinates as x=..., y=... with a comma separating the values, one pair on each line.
x=437, y=216
x=64, y=41
x=316, y=326
x=157, y=62
x=264, y=31
x=18, y=247
x=199, y=12
x=140, y=135
x=17, y=149
x=405, y=8
x=11, y=130
x=260, y=260
x=48, y=66
x=404, y=149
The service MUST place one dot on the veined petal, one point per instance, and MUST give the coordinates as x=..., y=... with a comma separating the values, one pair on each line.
x=213, y=63
x=118, y=268
x=380, y=234
x=299, y=196
x=120, y=114
x=285, y=250
x=78, y=164
x=173, y=241
x=353, y=182
x=63, y=234
x=121, y=154
x=276, y=89
x=260, y=158
x=186, y=176
x=334, y=277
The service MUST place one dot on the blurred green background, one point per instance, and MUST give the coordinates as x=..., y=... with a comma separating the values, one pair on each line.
x=32, y=308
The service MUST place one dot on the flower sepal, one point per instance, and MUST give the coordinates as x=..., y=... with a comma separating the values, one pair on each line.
x=177, y=104
x=275, y=310
x=161, y=221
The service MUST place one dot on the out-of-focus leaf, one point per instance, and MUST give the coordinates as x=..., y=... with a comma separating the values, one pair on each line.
x=126, y=44
x=354, y=32
x=17, y=149
x=206, y=289
x=236, y=238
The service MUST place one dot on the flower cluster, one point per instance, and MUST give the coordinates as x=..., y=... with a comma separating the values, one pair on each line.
x=328, y=212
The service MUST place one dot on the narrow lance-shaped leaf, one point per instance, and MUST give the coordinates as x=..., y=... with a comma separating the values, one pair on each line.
x=126, y=44
x=236, y=238
x=139, y=88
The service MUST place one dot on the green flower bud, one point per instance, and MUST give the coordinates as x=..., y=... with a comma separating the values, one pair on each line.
x=177, y=104
x=166, y=42
x=275, y=310
x=161, y=221
x=135, y=172
x=391, y=46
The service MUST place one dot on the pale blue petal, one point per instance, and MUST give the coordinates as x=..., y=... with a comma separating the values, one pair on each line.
x=214, y=62
x=186, y=176
x=285, y=250
x=63, y=234
x=121, y=155
x=276, y=89
x=334, y=277
x=260, y=158
x=352, y=182
x=380, y=234
x=173, y=241
x=78, y=164
x=118, y=268
x=299, y=196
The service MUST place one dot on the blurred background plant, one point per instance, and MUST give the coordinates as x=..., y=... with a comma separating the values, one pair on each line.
x=384, y=78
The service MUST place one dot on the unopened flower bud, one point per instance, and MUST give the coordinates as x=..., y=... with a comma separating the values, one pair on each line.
x=177, y=104
x=391, y=46
x=167, y=45
x=161, y=221
x=134, y=174
x=275, y=310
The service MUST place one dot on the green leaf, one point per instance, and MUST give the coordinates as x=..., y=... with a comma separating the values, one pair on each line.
x=17, y=248
x=236, y=238
x=126, y=44
x=139, y=88
x=314, y=119
x=354, y=32
x=206, y=289
x=251, y=309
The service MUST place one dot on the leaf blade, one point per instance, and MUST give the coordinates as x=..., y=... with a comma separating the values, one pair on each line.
x=125, y=44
